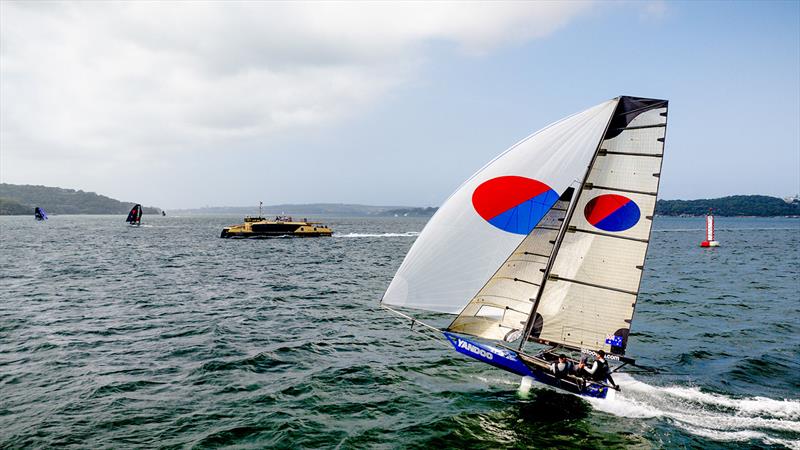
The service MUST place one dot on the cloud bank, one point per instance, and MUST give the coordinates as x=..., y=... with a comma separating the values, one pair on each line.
x=109, y=86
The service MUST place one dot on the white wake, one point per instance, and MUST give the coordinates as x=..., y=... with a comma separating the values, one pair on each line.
x=713, y=416
x=378, y=235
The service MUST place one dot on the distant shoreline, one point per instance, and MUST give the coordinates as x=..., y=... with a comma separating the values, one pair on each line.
x=21, y=200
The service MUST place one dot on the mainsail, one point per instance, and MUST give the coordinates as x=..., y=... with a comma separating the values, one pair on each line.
x=39, y=213
x=589, y=294
x=481, y=224
x=135, y=216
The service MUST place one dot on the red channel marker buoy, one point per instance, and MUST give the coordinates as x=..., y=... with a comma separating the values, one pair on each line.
x=709, y=242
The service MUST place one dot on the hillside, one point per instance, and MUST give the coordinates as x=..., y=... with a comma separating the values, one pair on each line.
x=736, y=205
x=21, y=199
x=9, y=207
x=410, y=212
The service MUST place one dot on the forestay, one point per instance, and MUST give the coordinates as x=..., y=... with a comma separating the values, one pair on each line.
x=590, y=294
x=476, y=229
x=501, y=308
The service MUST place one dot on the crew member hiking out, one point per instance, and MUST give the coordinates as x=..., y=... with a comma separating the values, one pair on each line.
x=599, y=370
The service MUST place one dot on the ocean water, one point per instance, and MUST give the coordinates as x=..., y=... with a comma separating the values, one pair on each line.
x=166, y=336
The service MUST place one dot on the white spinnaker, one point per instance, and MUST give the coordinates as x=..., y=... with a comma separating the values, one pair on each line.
x=458, y=250
x=709, y=228
x=592, y=288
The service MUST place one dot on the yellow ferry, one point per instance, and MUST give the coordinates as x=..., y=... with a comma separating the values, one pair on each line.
x=260, y=227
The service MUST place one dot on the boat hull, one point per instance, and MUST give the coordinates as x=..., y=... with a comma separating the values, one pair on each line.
x=230, y=235
x=275, y=229
x=526, y=366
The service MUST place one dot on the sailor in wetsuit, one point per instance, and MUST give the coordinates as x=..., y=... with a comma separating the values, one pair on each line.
x=562, y=368
x=599, y=370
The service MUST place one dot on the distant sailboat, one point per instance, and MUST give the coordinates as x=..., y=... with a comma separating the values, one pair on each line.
x=545, y=245
x=135, y=216
x=39, y=213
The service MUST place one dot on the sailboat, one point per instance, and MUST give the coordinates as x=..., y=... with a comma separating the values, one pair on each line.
x=544, y=247
x=135, y=216
x=39, y=213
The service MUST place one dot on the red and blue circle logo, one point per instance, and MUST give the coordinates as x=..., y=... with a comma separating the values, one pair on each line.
x=513, y=204
x=612, y=212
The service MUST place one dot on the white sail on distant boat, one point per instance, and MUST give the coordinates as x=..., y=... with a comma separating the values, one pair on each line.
x=545, y=244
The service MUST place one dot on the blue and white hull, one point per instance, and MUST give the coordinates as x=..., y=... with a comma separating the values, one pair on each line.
x=524, y=366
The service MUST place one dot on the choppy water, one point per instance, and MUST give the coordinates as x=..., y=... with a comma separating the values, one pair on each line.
x=165, y=335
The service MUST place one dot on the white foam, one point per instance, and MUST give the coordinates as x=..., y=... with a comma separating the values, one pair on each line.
x=378, y=235
x=494, y=381
x=714, y=416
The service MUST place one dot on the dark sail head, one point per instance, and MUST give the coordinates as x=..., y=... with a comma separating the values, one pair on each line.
x=39, y=213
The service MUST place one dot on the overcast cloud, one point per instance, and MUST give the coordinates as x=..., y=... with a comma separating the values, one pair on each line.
x=109, y=87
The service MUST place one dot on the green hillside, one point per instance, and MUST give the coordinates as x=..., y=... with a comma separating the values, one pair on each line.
x=736, y=205
x=21, y=199
x=9, y=207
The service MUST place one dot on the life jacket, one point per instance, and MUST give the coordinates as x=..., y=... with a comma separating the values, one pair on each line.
x=560, y=373
x=602, y=370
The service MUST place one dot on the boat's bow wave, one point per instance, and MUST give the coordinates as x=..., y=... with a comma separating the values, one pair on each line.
x=378, y=235
x=714, y=416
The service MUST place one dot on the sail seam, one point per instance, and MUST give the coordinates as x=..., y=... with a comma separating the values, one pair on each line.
x=599, y=286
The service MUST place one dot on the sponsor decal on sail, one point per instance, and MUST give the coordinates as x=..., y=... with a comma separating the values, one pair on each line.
x=512, y=203
x=612, y=212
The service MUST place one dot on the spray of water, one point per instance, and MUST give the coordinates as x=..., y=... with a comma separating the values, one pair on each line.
x=712, y=416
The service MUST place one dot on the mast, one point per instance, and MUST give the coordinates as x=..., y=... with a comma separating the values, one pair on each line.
x=561, y=233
